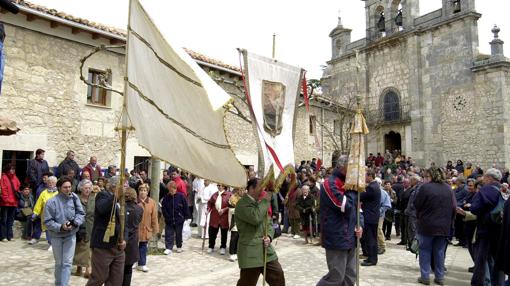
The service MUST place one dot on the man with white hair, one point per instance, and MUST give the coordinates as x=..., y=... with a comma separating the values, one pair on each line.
x=339, y=231
x=487, y=232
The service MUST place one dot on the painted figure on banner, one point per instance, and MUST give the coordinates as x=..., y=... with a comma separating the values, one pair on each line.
x=273, y=102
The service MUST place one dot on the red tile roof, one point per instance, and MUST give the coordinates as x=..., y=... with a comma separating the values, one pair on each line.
x=68, y=17
x=193, y=54
x=204, y=58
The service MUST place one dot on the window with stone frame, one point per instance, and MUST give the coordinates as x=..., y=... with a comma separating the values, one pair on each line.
x=313, y=124
x=391, y=107
x=97, y=95
x=337, y=128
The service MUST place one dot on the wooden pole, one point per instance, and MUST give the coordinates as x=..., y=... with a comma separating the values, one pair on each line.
x=265, y=251
x=123, y=138
x=358, y=98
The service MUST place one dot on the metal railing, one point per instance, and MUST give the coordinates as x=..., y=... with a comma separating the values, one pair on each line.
x=378, y=117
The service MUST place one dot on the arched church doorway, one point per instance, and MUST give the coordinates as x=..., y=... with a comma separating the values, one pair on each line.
x=393, y=141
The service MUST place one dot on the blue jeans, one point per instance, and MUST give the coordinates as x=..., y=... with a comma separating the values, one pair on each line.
x=63, y=252
x=2, y=64
x=6, y=222
x=36, y=226
x=484, y=272
x=142, y=248
x=48, y=237
x=432, y=246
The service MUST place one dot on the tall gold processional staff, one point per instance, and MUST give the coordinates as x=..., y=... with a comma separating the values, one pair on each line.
x=356, y=168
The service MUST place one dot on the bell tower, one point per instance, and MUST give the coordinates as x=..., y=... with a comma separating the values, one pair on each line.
x=340, y=38
x=385, y=17
x=452, y=7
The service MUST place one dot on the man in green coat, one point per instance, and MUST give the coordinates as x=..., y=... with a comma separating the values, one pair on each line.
x=252, y=219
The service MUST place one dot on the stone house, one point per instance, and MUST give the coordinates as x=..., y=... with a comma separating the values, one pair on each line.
x=56, y=111
x=426, y=89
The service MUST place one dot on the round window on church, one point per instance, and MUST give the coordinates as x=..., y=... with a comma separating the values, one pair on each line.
x=459, y=103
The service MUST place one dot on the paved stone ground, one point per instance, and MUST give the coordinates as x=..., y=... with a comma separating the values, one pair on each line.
x=303, y=264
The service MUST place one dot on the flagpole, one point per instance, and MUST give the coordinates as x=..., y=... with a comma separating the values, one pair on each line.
x=274, y=45
x=267, y=215
x=358, y=99
x=123, y=139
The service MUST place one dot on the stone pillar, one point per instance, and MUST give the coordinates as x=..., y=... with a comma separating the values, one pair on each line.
x=410, y=11
x=155, y=178
x=497, y=44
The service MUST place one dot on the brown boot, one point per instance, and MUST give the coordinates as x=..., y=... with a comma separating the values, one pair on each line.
x=78, y=271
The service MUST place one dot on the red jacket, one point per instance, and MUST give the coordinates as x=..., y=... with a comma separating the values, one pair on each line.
x=181, y=186
x=379, y=160
x=94, y=173
x=8, y=197
x=218, y=220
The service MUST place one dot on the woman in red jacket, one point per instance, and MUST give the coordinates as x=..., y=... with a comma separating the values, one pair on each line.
x=218, y=206
x=8, y=201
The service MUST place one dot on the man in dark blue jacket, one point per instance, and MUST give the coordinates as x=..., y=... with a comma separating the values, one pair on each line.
x=174, y=207
x=371, y=204
x=338, y=227
x=460, y=196
x=398, y=187
x=107, y=251
x=487, y=232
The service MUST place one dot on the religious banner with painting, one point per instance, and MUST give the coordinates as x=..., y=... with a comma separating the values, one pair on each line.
x=272, y=91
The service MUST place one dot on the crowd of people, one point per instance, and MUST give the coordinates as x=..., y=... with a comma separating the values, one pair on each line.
x=428, y=208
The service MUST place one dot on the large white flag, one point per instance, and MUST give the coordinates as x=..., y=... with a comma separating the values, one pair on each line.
x=273, y=91
x=175, y=107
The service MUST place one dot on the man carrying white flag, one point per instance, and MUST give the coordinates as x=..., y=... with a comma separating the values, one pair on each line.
x=272, y=90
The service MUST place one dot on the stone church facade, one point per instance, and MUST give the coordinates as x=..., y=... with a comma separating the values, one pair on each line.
x=426, y=89
x=56, y=111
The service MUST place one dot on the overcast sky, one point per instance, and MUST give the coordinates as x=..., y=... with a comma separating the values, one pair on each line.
x=216, y=28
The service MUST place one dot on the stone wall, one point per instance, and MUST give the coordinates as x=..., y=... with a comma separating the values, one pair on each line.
x=321, y=144
x=43, y=93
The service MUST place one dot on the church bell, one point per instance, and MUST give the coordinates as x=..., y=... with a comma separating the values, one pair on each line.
x=381, y=25
x=456, y=6
x=399, y=19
